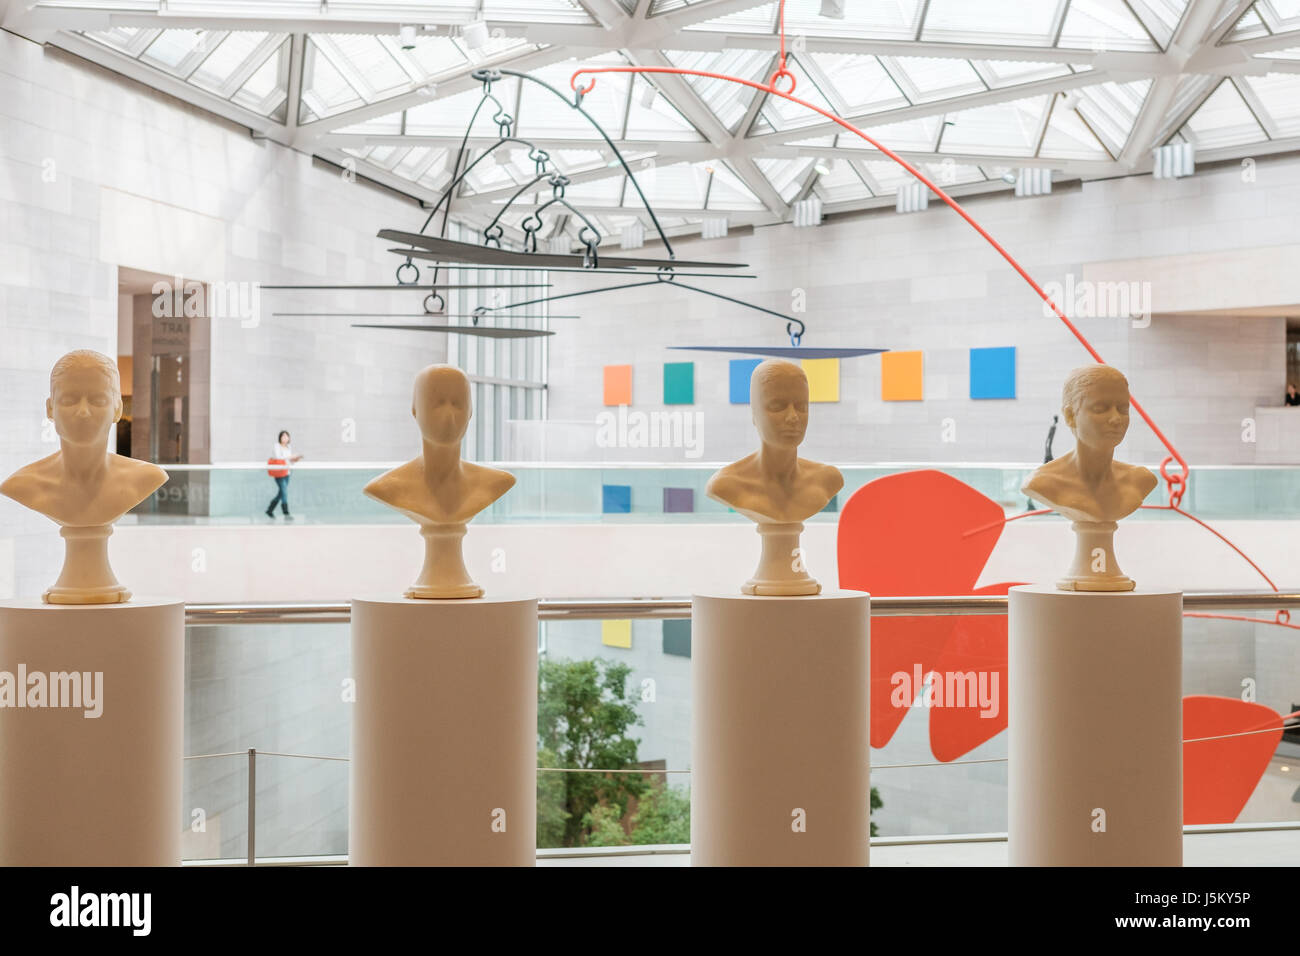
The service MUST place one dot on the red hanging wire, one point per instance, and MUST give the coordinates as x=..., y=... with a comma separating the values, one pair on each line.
x=1175, y=483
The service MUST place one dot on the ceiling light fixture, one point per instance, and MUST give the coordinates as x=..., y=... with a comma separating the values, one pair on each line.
x=406, y=36
x=834, y=9
x=823, y=167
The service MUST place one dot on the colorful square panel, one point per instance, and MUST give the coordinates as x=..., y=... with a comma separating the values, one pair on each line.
x=616, y=499
x=618, y=385
x=679, y=500
x=679, y=383
x=741, y=370
x=901, y=378
x=993, y=372
x=616, y=633
x=677, y=638
x=823, y=379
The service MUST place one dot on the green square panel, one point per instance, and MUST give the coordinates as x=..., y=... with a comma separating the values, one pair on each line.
x=677, y=638
x=679, y=383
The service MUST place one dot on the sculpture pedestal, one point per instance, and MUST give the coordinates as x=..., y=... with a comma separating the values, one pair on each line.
x=1094, y=567
x=87, y=577
x=780, y=746
x=1094, y=707
x=444, y=732
x=79, y=790
x=444, y=574
x=781, y=570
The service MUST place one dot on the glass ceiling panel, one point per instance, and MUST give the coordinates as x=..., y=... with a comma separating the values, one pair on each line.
x=1279, y=94
x=676, y=187
x=1028, y=23
x=267, y=90
x=729, y=192
x=760, y=18
x=1161, y=16
x=785, y=175
x=999, y=73
x=236, y=52
x=928, y=78
x=884, y=19
x=1068, y=137
x=1280, y=15
x=780, y=114
x=442, y=11
x=948, y=172
x=1103, y=25
x=887, y=175
x=1005, y=129
x=1223, y=120
x=858, y=81
x=541, y=113
x=1247, y=27
x=917, y=135
x=1111, y=109
x=325, y=91
x=449, y=116
x=364, y=62
x=728, y=101
x=651, y=116
x=172, y=48
x=840, y=183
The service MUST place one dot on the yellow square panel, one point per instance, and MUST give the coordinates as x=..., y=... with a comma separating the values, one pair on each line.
x=901, y=378
x=823, y=379
x=616, y=633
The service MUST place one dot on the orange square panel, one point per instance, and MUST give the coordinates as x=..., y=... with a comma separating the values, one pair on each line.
x=901, y=378
x=618, y=385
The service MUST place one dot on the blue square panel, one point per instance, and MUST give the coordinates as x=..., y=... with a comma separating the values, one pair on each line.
x=741, y=371
x=993, y=373
x=677, y=638
x=616, y=499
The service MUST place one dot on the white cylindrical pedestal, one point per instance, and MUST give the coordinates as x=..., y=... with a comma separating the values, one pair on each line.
x=444, y=732
x=84, y=790
x=780, y=746
x=1094, y=705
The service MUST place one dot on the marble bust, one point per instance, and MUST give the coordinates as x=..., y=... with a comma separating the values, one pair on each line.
x=438, y=490
x=83, y=487
x=1087, y=485
x=774, y=487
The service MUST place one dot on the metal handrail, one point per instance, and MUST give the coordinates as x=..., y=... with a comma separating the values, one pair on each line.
x=657, y=608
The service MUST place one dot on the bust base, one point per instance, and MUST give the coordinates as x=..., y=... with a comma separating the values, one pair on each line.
x=432, y=592
x=110, y=594
x=781, y=588
x=1120, y=583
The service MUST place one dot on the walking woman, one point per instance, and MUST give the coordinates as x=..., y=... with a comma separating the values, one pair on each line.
x=281, y=460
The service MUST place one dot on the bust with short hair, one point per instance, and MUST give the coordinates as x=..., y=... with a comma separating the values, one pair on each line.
x=438, y=490
x=1087, y=485
x=83, y=487
x=774, y=487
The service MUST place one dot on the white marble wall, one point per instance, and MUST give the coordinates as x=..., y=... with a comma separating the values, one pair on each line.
x=98, y=172
x=928, y=281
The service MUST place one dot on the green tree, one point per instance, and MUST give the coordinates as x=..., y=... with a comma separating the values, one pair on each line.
x=551, y=815
x=663, y=815
x=584, y=712
x=876, y=804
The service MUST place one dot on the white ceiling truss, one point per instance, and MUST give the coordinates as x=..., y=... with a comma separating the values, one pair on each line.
x=969, y=90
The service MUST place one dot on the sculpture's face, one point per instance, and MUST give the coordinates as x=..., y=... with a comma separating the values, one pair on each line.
x=1100, y=420
x=442, y=407
x=84, y=406
x=781, y=412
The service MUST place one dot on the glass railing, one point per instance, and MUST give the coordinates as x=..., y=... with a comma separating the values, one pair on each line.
x=275, y=679
x=617, y=492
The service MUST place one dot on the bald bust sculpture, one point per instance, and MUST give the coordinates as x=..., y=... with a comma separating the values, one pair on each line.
x=1087, y=485
x=83, y=487
x=438, y=491
x=774, y=487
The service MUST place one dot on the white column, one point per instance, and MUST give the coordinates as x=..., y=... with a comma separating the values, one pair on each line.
x=780, y=744
x=444, y=732
x=1094, y=688
x=97, y=780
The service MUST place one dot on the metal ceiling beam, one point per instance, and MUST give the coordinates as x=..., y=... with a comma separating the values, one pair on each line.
x=1189, y=37
x=938, y=107
x=293, y=107
x=417, y=97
